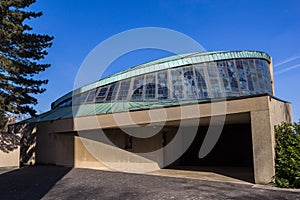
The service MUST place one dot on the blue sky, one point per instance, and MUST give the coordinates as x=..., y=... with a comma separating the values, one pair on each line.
x=79, y=26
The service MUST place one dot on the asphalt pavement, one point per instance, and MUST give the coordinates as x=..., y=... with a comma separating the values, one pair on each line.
x=53, y=182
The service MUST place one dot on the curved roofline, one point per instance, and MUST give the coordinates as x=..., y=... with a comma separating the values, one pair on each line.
x=166, y=63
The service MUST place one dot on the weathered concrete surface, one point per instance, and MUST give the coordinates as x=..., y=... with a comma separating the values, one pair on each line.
x=50, y=182
x=9, y=150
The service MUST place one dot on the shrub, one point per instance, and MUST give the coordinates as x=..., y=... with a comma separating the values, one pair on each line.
x=287, y=152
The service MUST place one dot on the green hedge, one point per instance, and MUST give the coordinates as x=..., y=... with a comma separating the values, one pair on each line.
x=287, y=152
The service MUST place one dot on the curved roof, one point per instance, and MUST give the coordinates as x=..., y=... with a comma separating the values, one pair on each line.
x=166, y=63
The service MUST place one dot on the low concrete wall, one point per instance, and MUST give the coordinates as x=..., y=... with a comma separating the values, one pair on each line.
x=9, y=150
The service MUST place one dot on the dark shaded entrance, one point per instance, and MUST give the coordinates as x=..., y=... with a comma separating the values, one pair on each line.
x=232, y=155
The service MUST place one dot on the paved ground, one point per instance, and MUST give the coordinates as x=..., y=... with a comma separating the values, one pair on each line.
x=221, y=174
x=51, y=182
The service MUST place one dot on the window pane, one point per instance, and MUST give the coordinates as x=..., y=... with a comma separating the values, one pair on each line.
x=190, y=83
x=66, y=103
x=79, y=99
x=101, y=94
x=241, y=74
x=91, y=96
x=201, y=82
x=177, y=83
x=113, y=89
x=248, y=76
x=137, y=90
x=232, y=76
x=150, y=89
x=123, y=91
x=213, y=75
x=267, y=77
x=224, y=75
x=254, y=77
x=162, y=80
x=259, y=68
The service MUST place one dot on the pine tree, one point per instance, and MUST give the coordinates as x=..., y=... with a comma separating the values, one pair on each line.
x=20, y=53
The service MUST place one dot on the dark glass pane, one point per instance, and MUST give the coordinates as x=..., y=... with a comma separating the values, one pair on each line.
x=267, y=77
x=248, y=76
x=259, y=68
x=102, y=92
x=254, y=77
x=224, y=75
x=65, y=103
x=241, y=74
x=232, y=76
x=113, y=89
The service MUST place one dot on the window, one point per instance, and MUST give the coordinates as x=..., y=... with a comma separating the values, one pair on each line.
x=138, y=86
x=213, y=75
x=66, y=103
x=259, y=68
x=267, y=77
x=113, y=89
x=123, y=90
x=162, y=80
x=177, y=83
x=232, y=76
x=190, y=83
x=91, y=96
x=201, y=82
x=224, y=75
x=254, y=77
x=101, y=94
x=248, y=75
x=150, y=88
x=79, y=99
x=241, y=74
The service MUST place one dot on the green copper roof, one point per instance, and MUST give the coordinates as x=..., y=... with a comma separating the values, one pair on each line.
x=104, y=108
x=115, y=107
x=166, y=63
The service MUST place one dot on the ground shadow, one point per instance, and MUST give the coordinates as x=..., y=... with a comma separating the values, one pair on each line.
x=30, y=182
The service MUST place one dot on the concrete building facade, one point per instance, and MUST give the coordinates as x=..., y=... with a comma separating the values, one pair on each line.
x=190, y=94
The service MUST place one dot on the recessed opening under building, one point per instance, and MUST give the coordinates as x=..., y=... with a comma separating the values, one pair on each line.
x=231, y=156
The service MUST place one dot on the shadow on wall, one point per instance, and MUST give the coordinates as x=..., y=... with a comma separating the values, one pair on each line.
x=30, y=182
x=27, y=138
x=287, y=113
x=9, y=142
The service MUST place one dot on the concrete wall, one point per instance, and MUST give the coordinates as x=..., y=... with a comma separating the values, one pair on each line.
x=65, y=149
x=58, y=143
x=83, y=158
x=263, y=137
x=9, y=150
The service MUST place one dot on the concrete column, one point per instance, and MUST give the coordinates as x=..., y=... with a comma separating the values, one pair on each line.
x=263, y=146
